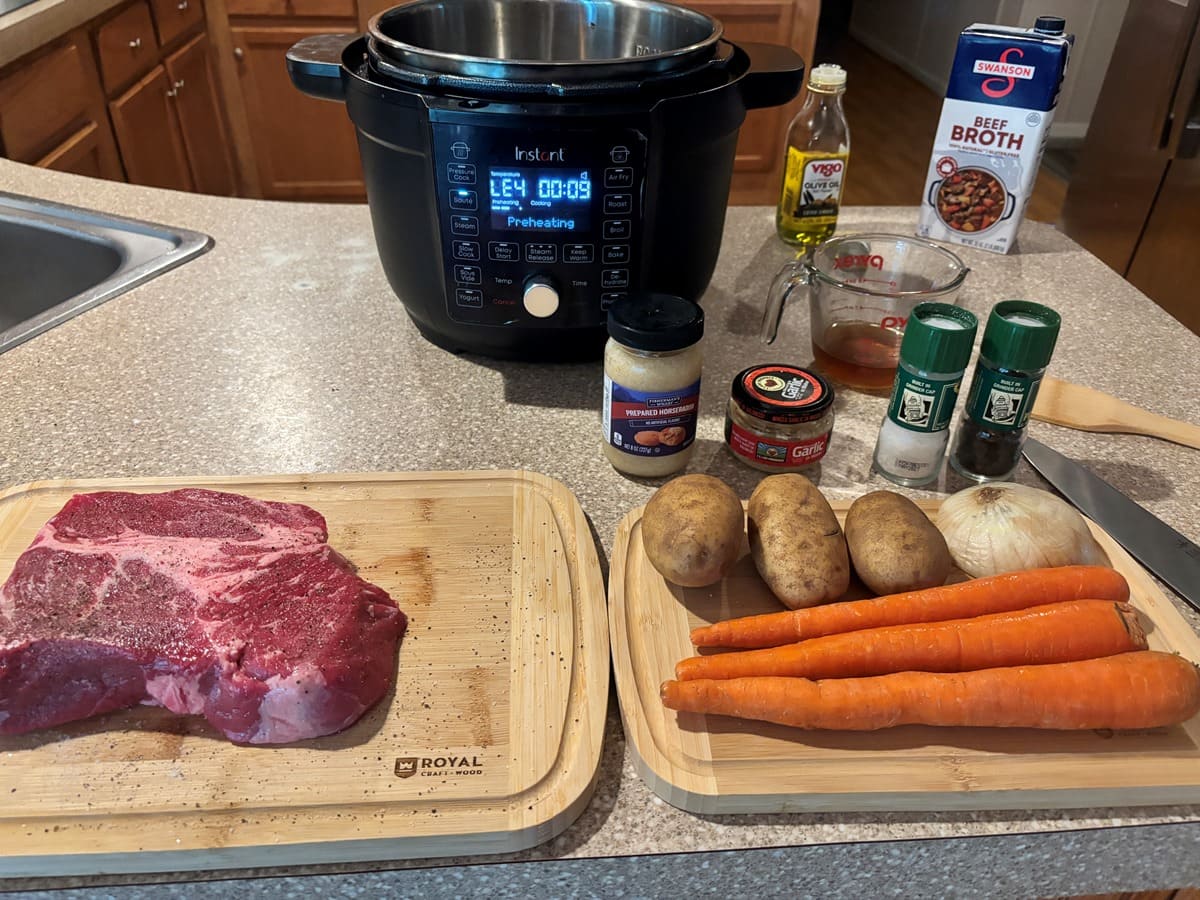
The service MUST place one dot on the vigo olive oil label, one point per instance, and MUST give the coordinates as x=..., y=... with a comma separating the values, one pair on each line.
x=812, y=186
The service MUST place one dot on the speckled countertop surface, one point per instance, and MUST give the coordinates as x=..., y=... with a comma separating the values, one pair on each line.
x=284, y=350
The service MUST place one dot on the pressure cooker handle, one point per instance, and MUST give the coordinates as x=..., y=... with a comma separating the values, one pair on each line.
x=315, y=65
x=776, y=75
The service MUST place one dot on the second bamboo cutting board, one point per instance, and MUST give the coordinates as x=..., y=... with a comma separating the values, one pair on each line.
x=489, y=742
x=716, y=764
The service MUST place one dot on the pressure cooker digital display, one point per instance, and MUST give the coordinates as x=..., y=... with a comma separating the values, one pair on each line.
x=540, y=199
x=538, y=228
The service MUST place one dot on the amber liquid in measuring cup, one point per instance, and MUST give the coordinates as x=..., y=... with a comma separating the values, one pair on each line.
x=862, y=355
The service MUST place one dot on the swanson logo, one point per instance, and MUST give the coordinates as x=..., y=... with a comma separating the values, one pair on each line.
x=408, y=766
x=1007, y=72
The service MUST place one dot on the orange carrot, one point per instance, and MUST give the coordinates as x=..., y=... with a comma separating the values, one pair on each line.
x=1054, y=633
x=998, y=593
x=1145, y=689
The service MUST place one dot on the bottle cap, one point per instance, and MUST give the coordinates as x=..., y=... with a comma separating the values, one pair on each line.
x=1050, y=25
x=827, y=75
x=1020, y=335
x=780, y=393
x=650, y=321
x=938, y=337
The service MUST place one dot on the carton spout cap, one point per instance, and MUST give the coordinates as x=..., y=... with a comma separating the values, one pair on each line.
x=1050, y=25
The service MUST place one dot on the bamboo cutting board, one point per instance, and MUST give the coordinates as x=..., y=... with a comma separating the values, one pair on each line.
x=716, y=764
x=490, y=741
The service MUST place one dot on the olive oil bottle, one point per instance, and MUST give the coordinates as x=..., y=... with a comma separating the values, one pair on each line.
x=818, y=152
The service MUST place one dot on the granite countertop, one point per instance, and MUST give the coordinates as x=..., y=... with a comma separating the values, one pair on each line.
x=29, y=26
x=284, y=350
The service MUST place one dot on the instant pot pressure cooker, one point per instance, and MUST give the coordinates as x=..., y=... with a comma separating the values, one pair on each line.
x=529, y=162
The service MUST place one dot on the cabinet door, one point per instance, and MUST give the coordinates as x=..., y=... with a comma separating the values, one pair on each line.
x=305, y=149
x=148, y=134
x=203, y=131
x=126, y=46
x=173, y=17
x=82, y=153
x=49, y=100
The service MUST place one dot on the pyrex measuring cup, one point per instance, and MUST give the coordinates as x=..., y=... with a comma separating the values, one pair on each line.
x=861, y=289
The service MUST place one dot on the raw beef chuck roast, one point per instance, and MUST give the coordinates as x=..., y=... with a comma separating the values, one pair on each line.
x=200, y=601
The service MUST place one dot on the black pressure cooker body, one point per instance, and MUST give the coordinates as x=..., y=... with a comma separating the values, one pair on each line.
x=512, y=206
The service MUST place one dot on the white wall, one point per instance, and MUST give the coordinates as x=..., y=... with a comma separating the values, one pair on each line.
x=920, y=36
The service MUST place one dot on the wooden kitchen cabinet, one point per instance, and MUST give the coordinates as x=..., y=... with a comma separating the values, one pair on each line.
x=52, y=112
x=173, y=18
x=758, y=167
x=201, y=127
x=304, y=149
x=126, y=46
x=148, y=133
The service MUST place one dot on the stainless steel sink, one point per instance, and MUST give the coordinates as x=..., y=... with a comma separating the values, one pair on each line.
x=57, y=261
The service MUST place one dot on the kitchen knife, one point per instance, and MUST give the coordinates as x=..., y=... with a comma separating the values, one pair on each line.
x=1156, y=545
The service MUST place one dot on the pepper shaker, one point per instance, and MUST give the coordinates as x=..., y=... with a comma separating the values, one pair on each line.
x=1017, y=345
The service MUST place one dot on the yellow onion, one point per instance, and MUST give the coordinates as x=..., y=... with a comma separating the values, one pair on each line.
x=995, y=528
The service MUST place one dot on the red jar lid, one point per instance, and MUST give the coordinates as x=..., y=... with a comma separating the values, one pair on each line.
x=786, y=395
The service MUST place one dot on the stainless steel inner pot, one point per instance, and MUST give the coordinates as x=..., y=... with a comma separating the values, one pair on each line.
x=561, y=40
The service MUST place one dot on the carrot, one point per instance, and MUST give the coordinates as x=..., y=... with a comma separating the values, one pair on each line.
x=1056, y=632
x=998, y=593
x=1146, y=689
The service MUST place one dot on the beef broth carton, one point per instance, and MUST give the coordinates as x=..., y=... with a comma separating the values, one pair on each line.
x=999, y=104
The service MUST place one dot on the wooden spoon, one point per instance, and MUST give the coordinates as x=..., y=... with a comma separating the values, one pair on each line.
x=1087, y=409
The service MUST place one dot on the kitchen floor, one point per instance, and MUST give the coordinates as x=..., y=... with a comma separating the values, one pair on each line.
x=893, y=118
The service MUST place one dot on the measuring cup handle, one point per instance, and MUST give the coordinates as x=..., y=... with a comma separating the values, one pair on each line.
x=789, y=278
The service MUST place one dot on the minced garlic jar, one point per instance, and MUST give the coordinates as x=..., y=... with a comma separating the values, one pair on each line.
x=652, y=383
x=779, y=417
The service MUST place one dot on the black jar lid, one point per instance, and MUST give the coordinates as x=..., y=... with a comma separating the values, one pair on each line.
x=780, y=393
x=656, y=322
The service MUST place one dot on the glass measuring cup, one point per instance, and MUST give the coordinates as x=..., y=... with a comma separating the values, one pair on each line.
x=861, y=290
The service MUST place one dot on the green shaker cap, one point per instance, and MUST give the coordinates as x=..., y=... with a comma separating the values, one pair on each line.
x=1020, y=335
x=938, y=337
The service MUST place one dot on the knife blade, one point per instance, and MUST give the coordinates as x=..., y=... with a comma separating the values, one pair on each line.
x=1150, y=540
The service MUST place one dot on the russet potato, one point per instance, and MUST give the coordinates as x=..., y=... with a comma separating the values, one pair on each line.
x=796, y=541
x=692, y=530
x=894, y=546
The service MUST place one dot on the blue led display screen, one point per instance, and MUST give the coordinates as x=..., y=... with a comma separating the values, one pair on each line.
x=524, y=199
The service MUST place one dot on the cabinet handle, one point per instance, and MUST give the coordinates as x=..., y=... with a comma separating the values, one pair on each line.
x=239, y=54
x=135, y=44
x=174, y=90
x=182, y=5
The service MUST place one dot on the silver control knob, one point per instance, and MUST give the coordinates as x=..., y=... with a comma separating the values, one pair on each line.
x=541, y=299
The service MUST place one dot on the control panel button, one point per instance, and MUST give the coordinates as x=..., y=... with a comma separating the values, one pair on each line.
x=616, y=229
x=578, y=253
x=469, y=297
x=614, y=278
x=504, y=251
x=618, y=204
x=618, y=177
x=468, y=250
x=460, y=173
x=468, y=274
x=615, y=253
x=464, y=225
x=541, y=253
x=461, y=198
x=619, y=154
x=607, y=300
x=540, y=300
x=460, y=150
